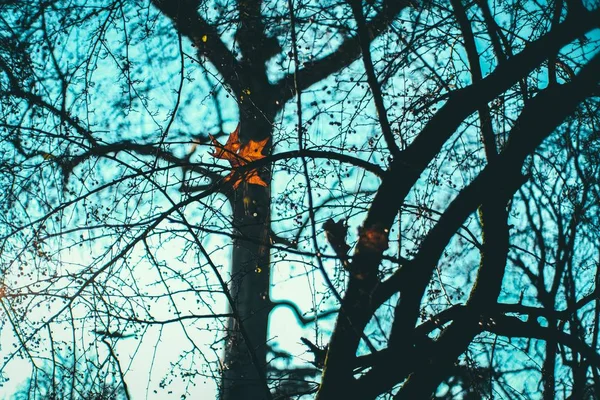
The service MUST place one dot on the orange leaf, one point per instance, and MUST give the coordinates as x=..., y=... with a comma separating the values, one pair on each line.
x=252, y=150
x=250, y=177
x=254, y=179
x=231, y=148
x=238, y=155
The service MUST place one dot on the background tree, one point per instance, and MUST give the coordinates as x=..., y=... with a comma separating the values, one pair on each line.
x=426, y=172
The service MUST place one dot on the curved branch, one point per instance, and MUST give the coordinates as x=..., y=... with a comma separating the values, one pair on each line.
x=206, y=38
x=363, y=39
x=514, y=327
x=485, y=119
x=328, y=155
x=345, y=54
x=298, y=313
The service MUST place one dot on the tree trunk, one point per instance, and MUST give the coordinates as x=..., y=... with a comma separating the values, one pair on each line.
x=244, y=366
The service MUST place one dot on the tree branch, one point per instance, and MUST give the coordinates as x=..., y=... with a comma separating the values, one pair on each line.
x=364, y=294
x=364, y=41
x=205, y=37
x=529, y=131
x=345, y=54
x=36, y=100
x=142, y=149
x=514, y=327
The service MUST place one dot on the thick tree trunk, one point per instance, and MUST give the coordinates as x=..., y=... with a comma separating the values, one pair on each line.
x=244, y=366
x=246, y=348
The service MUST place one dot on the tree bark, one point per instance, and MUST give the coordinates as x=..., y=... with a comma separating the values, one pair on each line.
x=246, y=349
x=244, y=365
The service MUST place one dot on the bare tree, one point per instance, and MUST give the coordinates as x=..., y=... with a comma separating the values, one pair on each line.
x=182, y=174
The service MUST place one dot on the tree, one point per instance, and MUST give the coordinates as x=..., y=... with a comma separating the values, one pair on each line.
x=424, y=171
